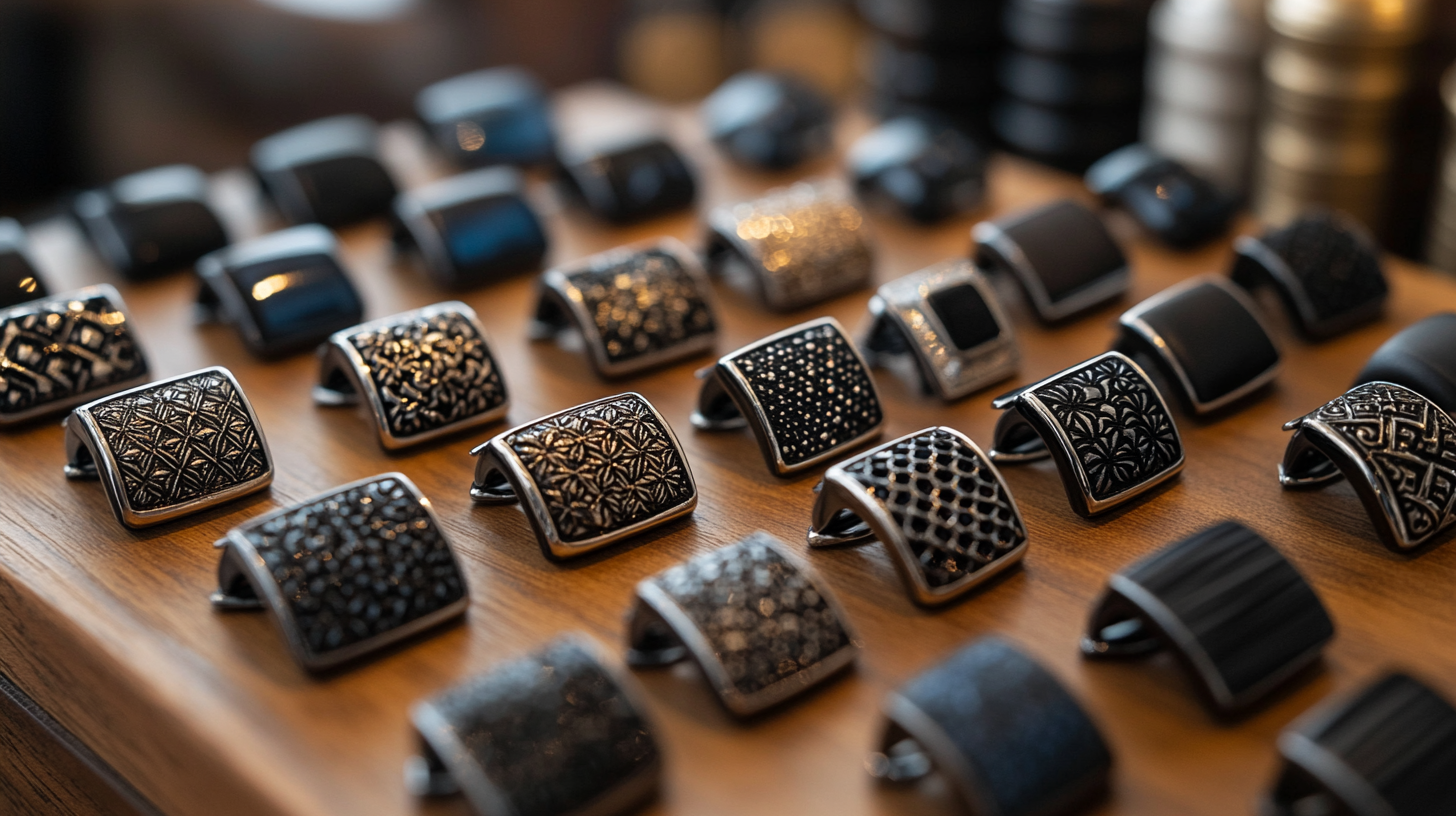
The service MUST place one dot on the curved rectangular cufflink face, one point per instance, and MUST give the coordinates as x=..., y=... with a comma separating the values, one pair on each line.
x=630, y=182
x=589, y=476
x=1062, y=255
x=936, y=501
x=1236, y=613
x=1397, y=449
x=762, y=626
x=19, y=280
x=153, y=222
x=1174, y=203
x=62, y=351
x=1421, y=357
x=494, y=116
x=171, y=448
x=326, y=171
x=472, y=229
x=423, y=374
x=559, y=731
x=636, y=307
x=346, y=572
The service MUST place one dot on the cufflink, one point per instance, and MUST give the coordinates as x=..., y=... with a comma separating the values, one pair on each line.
x=634, y=307
x=761, y=625
x=589, y=476
x=19, y=280
x=1421, y=357
x=1002, y=730
x=804, y=391
x=284, y=292
x=472, y=229
x=1061, y=253
x=345, y=573
x=1397, y=448
x=327, y=171
x=1387, y=750
x=769, y=121
x=154, y=222
x=1105, y=425
x=917, y=170
x=629, y=182
x=65, y=350
x=1206, y=336
x=171, y=448
x=423, y=374
x=794, y=247
x=943, y=329
x=561, y=730
x=495, y=116
x=1325, y=268
x=1238, y=616
x=1172, y=202
x=936, y=501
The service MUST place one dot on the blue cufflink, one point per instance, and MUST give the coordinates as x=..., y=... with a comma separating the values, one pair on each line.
x=471, y=229
x=154, y=222
x=495, y=116
x=631, y=181
x=770, y=121
x=326, y=171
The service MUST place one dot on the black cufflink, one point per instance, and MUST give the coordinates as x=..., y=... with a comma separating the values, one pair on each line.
x=634, y=307
x=1421, y=357
x=559, y=731
x=345, y=573
x=804, y=391
x=1397, y=448
x=62, y=351
x=918, y=170
x=495, y=116
x=1061, y=254
x=770, y=121
x=1325, y=268
x=285, y=292
x=629, y=182
x=326, y=171
x=422, y=374
x=1237, y=615
x=942, y=328
x=1206, y=336
x=19, y=280
x=1388, y=750
x=1105, y=425
x=472, y=229
x=171, y=448
x=154, y=222
x=762, y=626
x=1002, y=730
x=1166, y=198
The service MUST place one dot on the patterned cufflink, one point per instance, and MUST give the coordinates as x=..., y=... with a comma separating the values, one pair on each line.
x=62, y=351
x=629, y=182
x=1397, y=448
x=171, y=448
x=589, y=476
x=423, y=374
x=762, y=626
x=634, y=307
x=19, y=280
x=325, y=172
x=938, y=504
x=154, y=222
x=805, y=392
x=494, y=116
x=1061, y=253
x=472, y=229
x=345, y=573
x=1105, y=425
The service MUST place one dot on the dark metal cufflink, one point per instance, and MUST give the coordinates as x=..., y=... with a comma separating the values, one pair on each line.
x=1105, y=425
x=795, y=247
x=589, y=476
x=423, y=374
x=936, y=501
x=471, y=229
x=153, y=222
x=770, y=121
x=65, y=350
x=1004, y=733
x=345, y=573
x=918, y=170
x=1397, y=448
x=1325, y=268
x=1421, y=357
x=19, y=280
x=804, y=391
x=761, y=625
x=171, y=448
x=494, y=116
x=327, y=171
x=1388, y=750
x=629, y=182
x=634, y=307
x=1206, y=336
x=1237, y=615
x=284, y=292
x=1165, y=197
x=1062, y=255
x=943, y=329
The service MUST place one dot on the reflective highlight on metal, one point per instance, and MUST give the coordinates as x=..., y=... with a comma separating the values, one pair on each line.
x=1421, y=357
x=153, y=222
x=327, y=171
x=1165, y=197
x=770, y=121
x=1062, y=255
x=494, y=116
x=471, y=229
x=629, y=182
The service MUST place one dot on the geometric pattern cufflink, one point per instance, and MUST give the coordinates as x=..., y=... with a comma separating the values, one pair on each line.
x=472, y=229
x=19, y=280
x=1061, y=254
x=423, y=374
x=153, y=222
x=325, y=172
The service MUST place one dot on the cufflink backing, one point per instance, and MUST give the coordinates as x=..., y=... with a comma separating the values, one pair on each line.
x=153, y=222
x=471, y=229
x=630, y=182
x=1061, y=254
x=19, y=280
x=326, y=171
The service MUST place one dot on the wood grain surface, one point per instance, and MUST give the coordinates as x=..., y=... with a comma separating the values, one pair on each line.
x=205, y=713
